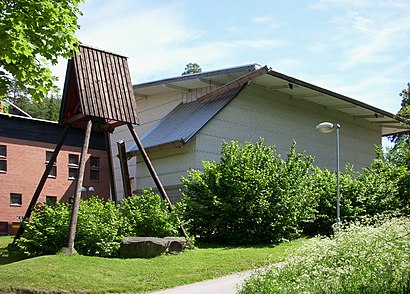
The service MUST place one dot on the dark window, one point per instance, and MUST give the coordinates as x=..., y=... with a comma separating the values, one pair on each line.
x=95, y=162
x=73, y=159
x=72, y=173
x=3, y=151
x=94, y=168
x=94, y=175
x=53, y=171
x=51, y=200
x=3, y=156
x=16, y=199
x=3, y=166
x=48, y=155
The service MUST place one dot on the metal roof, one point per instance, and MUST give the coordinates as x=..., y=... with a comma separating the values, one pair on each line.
x=184, y=121
x=275, y=81
x=331, y=101
x=189, y=82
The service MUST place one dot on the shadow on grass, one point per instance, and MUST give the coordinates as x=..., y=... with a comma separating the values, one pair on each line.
x=8, y=254
x=209, y=245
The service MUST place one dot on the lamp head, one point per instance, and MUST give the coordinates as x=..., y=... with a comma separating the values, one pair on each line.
x=326, y=127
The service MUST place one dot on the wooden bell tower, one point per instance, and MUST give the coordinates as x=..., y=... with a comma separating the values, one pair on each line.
x=98, y=95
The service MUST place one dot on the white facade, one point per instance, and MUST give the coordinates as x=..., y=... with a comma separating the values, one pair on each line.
x=254, y=113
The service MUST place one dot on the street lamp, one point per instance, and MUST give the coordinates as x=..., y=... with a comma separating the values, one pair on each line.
x=86, y=189
x=327, y=127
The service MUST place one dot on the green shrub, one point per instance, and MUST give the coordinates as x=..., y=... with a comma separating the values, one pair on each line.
x=251, y=196
x=361, y=259
x=47, y=231
x=101, y=225
x=382, y=188
x=99, y=228
x=148, y=215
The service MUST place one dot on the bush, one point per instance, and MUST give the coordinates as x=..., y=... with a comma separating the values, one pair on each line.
x=251, y=196
x=361, y=259
x=382, y=188
x=148, y=215
x=99, y=228
x=101, y=225
x=47, y=231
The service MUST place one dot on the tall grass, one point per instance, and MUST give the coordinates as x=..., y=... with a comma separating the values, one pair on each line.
x=361, y=259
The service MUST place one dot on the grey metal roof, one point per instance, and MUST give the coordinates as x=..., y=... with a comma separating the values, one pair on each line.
x=184, y=121
x=192, y=81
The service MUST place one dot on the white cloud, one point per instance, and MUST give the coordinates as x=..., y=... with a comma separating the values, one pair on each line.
x=267, y=21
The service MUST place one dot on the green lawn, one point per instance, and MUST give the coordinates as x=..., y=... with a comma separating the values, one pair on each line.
x=78, y=273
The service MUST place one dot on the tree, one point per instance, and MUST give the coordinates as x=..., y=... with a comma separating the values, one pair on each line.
x=34, y=34
x=192, y=68
x=405, y=113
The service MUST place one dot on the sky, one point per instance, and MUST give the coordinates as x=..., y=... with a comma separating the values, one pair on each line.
x=358, y=48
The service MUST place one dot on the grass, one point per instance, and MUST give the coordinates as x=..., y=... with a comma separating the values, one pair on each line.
x=76, y=273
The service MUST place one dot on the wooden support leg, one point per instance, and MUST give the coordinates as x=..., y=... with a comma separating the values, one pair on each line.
x=124, y=168
x=110, y=167
x=74, y=214
x=153, y=172
x=42, y=181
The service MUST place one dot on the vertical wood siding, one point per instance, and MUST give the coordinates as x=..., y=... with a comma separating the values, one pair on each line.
x=104, y=85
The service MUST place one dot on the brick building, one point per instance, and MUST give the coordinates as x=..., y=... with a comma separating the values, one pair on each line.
x=26, y=144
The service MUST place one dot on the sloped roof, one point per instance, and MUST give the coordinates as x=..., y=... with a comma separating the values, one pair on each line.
x=98, y=85
x=184, y=121
x=275, y=81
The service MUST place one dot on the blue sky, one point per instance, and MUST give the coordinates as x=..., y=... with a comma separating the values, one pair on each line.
x=358, y=48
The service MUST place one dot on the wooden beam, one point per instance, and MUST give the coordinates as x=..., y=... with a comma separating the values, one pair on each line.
x=279, y=87
x=175, y=87
x=42, y=181
x=304, y=96
x=364, y=116
x=74, y=118
x=153, y=173
x=122, y=155
x=210, y=82
x=342, y=106
x=110, y=167
x=74, y=214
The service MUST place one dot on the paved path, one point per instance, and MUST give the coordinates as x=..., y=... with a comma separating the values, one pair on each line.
x=224, y=285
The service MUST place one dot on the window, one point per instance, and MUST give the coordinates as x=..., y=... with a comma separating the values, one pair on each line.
x=3, y=151
x=3, y=158
x=48, y=156
x=3, y=166
x=94, y=168
x=94, y=162
x=53, y=171
x=72, y=173
x=73, y=160
x=16, y=199
x=51, y=200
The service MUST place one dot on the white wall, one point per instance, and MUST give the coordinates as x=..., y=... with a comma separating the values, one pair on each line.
x=253, y=114
x=279, y=120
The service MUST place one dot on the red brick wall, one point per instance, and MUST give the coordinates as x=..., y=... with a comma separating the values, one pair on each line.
x=26, y=162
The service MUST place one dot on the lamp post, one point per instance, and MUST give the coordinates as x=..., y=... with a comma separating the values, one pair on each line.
x=327, y=127
x=86, y=189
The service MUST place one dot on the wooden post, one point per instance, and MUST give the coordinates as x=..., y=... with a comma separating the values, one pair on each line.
x=153, y=173
x=42, y=181
x=124, y=168
x=74, y=214
x=110, y=167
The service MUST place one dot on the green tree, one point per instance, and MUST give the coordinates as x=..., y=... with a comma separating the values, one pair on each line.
x=405, y=113
x=191, y=68
x=251, y=196
x=34, y=34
